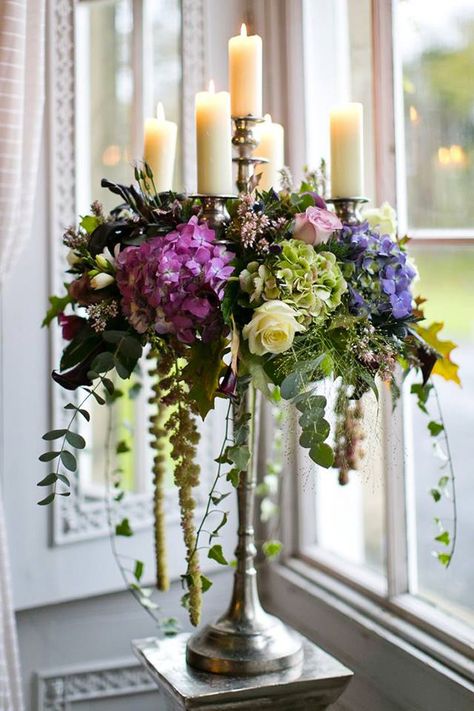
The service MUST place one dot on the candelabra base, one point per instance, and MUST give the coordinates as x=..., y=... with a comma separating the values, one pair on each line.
x=225, y=647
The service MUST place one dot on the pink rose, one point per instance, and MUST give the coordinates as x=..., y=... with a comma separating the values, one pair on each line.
x=316, y=225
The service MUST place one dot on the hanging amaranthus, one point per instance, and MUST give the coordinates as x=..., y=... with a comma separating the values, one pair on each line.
x=349, y=434
x=158, y=432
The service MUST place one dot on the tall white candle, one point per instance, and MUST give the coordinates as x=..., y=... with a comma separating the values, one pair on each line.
x=347, y=150
x=160, y=149
x=271, y=137
x=214, y=146
x=245, y=74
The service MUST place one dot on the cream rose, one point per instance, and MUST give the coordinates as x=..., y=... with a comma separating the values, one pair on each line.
x=383, y=219
x=272, y=328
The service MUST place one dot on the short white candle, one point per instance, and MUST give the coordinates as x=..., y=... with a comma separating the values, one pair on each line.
x=271, y=138
x=214, y=142
x=160, y=149
x=347, y=150
x=245, y=74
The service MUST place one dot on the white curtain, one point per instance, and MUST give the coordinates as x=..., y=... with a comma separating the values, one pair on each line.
x=22, y=87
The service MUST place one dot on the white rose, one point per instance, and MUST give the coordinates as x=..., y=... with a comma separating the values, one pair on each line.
x=100, y=281
x=272, y=328
x=383, y=218
x=72, y=258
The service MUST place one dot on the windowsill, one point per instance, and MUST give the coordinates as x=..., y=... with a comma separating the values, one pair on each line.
x=405, y=663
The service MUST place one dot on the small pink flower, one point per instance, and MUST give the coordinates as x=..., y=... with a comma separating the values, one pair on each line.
x=316, y=225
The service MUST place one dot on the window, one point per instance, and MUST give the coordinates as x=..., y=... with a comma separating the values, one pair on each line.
x=128, y=57
x=377, y=534
x=116, y=41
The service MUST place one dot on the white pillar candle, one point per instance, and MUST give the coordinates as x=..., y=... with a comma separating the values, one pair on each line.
x=160, y=149
x=347, y=150
x=271, y=137
x=245, y=74
x=214, y=142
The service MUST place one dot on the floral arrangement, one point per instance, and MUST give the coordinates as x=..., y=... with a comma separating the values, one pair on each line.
x=279, y=297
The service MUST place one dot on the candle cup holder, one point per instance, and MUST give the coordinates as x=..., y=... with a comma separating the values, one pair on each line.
x=245, y=142
x=213, y=209
x=348, y=209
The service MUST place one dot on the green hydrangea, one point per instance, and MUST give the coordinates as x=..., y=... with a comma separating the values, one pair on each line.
x=309, y=281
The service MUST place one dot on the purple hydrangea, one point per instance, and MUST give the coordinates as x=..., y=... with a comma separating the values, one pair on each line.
x=174, y=284
x=378, y=273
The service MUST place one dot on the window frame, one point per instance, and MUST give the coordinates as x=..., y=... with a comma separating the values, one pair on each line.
x=397, y=608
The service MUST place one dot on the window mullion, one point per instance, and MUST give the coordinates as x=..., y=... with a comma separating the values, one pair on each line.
x=138, y=63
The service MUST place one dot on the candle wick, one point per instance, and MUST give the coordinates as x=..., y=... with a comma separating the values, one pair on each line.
x=212, y=87
x=160, y=111
x=268, y=118
x=243, y=30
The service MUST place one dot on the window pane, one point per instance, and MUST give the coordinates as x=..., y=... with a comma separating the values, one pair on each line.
x=105, y=92
x=341, y=32
x=162, y=37
x=447, y=282
x=350, y=518
x=436, y=56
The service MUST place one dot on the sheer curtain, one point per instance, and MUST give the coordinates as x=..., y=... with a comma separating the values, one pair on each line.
x=22, y=86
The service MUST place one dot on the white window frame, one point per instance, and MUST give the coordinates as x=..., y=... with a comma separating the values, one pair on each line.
x=398, y=614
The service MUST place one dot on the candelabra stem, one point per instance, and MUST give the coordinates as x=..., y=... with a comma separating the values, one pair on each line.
x=348, y=209
x=246, y=639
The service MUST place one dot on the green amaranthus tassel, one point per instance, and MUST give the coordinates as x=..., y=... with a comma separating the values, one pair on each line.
x=157, y=430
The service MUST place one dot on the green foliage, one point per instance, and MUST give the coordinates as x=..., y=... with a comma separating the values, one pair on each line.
x=271, y=549
x=89, y=223
x=216, y=553
x=204, y=368
x=57, y=306
x=138, y=570
x=123, y=528
x=205, y=583
x=435, y=428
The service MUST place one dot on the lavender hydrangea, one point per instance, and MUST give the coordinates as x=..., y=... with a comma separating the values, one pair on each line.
x=378, y=272
x=174, y=284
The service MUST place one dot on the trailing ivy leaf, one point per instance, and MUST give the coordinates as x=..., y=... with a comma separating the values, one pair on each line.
x=216, y=498
x=233, y=475
x=444, y=558
x=422, y=393
x=122, y=447
x=123, y=528
x=239, y=455
x=436, y=494
x=138, y=570
x=47, y=500
x=444, y=538
x=322, y=454
x=58, y=304
x=222, y=523
x=54, y=434
x=64, y=479
x=443, y=482
x=49, y=456
x=435, y=428
x=49, y=479
x=205, y=583
x=63, y=493
x=272, y=548
x=75, y=440
x=216, y=553
x=69, y=460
